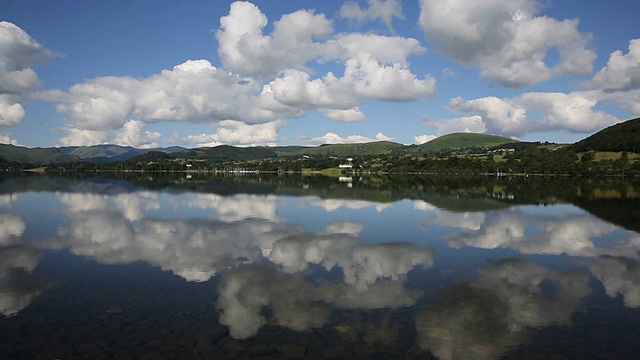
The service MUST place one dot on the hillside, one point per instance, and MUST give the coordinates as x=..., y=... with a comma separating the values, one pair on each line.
x=624, y=136
x=342, y=150
x=462, y=141
x=34, y=156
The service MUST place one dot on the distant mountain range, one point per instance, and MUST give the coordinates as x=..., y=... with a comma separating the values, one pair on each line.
x=110, y=153
x=621, y=137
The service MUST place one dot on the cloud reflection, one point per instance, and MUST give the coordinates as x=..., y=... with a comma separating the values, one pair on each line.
x=574, y=234
x=294, y=301
x=18, y=285
x=619, y=276
x=483, y=318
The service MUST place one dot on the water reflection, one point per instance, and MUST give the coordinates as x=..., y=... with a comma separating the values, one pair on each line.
x=576, y=234
x=18, y=285
x=486, y=316
x=620, y=276
x=383, y=269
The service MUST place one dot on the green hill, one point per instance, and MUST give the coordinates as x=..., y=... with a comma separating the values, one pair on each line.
x=463, y=141
x=34, y=156
x=624, y=136
x=370, y=148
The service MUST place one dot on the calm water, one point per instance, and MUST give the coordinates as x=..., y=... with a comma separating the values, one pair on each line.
x=274, y=267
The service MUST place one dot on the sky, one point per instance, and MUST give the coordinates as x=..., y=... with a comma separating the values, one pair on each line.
x=199, y=73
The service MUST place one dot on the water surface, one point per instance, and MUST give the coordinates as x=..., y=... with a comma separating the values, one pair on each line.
x=194, y=266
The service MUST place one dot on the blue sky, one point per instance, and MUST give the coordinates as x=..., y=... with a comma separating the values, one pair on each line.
x=203, y=73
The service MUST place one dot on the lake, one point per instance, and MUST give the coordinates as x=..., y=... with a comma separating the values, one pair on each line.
x=194, y=266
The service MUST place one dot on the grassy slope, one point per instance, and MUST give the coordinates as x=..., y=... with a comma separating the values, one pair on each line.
x=463, y=140
x=624, y=136
x=371, y=148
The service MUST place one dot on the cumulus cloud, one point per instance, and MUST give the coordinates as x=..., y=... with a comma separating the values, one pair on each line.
x=133, y=134
x=622, y=71
x=18, y=52
x=348, y=115
x=506, y=39
x=246, y=50
x=383, y=10
x=265, y=79
x=238, y=133
x=194, y=91
x=5, y=138
x=296, y=89
x=332, y=138
x=387, y=82
x=528, y=112
x=386, y=49
x=466, y=124
x=421, y=139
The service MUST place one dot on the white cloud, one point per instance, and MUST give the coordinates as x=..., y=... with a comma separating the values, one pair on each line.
x=385, y=49
x=498, y=115
x=349, y=115
x=421, y=139
x=296, y=89
x=194, y=91
x=373, y=80
x=11, y=111
x=382, y=137
x=574, y=112
x=622, y=72
x=133, y=134
x=626, y=100
x=246, y=50
x=80, y=137
x=115, y=109
x=506, y=40
x=448, y=72
x=18, y=52
x=333, y=138
x=5, y=138
x=472, y=123
x=385, y=10
x=238, y=133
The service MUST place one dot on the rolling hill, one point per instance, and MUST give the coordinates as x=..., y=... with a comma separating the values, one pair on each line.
x=462, y=141
x=342, y=150
x=624, y=136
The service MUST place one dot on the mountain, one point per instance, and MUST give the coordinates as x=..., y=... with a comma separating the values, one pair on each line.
x=462, y=141
x=34, y=156
x=111, y=153
x=624, y=136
